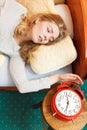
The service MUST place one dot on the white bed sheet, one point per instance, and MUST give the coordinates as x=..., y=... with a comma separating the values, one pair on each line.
x=6, y=80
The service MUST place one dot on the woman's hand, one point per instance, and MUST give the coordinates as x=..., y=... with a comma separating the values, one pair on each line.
x=65, y=77
x=70, y=77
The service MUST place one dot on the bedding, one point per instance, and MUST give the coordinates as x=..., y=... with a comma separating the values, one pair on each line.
x=6, y=80
x=64, y=11
x=80, y=41
x=51, y=58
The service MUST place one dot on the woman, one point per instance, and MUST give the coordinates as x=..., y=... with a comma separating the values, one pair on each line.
x=40, y=29
x=15, y=33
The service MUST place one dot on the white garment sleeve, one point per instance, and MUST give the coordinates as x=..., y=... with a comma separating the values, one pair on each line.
x=2, y=3
x=17, y=70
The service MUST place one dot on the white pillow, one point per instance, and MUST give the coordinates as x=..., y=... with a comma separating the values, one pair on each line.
x=50, y=58
x=64, y=12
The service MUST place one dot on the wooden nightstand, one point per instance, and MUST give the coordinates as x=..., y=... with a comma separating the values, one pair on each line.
x=57, y=124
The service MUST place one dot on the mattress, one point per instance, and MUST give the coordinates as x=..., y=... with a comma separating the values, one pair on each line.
x=6, y=80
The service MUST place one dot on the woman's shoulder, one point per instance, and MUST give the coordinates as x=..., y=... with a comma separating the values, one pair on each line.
x=12, y=7
x=10, y=15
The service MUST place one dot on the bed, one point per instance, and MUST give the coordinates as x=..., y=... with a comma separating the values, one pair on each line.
x=78, y=10
x=79, y=66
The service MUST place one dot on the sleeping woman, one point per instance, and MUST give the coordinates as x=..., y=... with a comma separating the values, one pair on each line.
x=18, y=36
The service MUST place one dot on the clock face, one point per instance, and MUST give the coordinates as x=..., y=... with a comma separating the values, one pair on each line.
x=68, y=102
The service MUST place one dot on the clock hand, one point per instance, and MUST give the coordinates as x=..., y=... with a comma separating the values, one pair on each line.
x=67, y=103
x=67, y=106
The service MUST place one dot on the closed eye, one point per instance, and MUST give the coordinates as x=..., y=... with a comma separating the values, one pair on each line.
x=49, y=30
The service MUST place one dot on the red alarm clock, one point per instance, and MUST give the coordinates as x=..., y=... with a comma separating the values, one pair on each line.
x=66, y=103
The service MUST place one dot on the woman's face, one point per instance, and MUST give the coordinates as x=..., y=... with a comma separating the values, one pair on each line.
x=44, y=32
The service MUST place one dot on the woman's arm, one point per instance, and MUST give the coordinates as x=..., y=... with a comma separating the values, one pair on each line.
x=68, y=77
x=17, y=70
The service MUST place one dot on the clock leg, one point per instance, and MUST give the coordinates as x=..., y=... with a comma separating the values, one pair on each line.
x=44, y=123
x=49, y=128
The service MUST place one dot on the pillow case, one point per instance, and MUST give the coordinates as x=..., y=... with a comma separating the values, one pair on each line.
x=48, y=6
x=64, y=12
x=50, y=58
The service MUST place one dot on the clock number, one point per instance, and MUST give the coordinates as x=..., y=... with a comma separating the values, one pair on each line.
x=62, y=108
x=77, y=106
x=69, y=111
x=58, y=104
x=70, y=94
x=65, y=94
x=58, y=100
x=76, y=101
x=74, y=111
x=61, y=96
x=74, y=97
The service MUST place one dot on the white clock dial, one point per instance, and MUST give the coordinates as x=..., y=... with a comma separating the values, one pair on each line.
x=68, y=102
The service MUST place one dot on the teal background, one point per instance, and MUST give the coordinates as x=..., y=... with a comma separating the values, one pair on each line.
x=18, y=112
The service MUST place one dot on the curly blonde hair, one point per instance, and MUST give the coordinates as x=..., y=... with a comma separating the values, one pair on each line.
x=27, y=22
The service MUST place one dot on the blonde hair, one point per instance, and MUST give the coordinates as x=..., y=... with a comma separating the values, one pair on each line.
x=27, y=22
